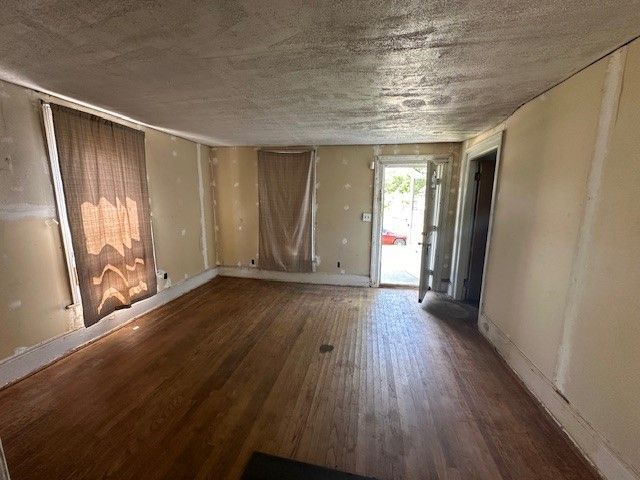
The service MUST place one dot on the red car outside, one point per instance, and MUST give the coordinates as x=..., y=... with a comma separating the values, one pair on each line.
x=391, y=238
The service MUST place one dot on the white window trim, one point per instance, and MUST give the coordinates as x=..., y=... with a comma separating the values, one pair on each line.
x=203, y=225
x=63, y=217
x=314, y=210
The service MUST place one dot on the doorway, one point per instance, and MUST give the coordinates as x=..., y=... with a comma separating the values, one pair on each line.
x=485, y=168
x=476, y=201
x=409, y=196
x=403, y=205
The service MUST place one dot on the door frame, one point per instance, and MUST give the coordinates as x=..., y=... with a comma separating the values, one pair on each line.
x=465, y=213
x=382, y=161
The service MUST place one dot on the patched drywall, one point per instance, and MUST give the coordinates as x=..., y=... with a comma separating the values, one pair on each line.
x=235, y=186
x=344, y=182
x=542, y=186
x=344, y=190
x=602, y=377
x=172, y=173
x=562, y=278
x=34, y=286
x=290, y=73
x=34, y=289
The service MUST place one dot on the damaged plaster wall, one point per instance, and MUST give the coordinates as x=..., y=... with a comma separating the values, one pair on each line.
x=34, y=289
x=344, y=186
x=172, y=172
x=562, y=274
x=235, y=186
x=34, y=286
x=344, y=191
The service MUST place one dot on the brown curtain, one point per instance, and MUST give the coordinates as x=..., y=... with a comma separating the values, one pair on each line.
x=285, y=185
x=105, y=186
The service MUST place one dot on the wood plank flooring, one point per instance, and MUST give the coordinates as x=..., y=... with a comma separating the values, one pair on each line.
x=408, y=392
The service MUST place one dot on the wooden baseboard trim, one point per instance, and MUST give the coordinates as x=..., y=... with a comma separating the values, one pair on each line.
x=591, y=444
x=40, y=356
x=315, y=278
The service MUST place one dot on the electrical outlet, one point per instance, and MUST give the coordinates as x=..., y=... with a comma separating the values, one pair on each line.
x=366, y=217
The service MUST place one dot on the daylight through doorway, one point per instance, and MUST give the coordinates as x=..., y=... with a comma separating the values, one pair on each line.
x=403, y=203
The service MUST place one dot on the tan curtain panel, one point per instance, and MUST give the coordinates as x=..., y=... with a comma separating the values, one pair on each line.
x=285, y=187
x=105, y=186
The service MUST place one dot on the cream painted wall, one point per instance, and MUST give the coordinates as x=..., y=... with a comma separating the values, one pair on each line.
x=539, y=219
x=542, y=185
x=31, y=256
x=344, y=184
x=235, y=180
x=34, y=288
x=172, y=173
x=603, y=346
x=344, y=191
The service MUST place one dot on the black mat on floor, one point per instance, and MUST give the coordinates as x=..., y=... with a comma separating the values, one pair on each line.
x=267, y=467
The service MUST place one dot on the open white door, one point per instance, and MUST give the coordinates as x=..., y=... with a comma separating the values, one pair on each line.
x=428, y=231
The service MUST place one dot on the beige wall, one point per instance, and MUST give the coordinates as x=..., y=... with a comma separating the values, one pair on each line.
x=172, y=172
x=603, y=370
x=34, y=288
x=539, y=226
x=344, y=191
x=33, y=281
x=235, y=180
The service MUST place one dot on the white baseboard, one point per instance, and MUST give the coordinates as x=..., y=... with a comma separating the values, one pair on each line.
x=591, y=443
x=316, y=277
x=19, y=366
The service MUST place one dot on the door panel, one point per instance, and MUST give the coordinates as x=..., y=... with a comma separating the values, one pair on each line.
x=480, y=229
x=428, y=234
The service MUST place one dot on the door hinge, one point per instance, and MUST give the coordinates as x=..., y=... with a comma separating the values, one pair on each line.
x=477, y=176
x=465, y=282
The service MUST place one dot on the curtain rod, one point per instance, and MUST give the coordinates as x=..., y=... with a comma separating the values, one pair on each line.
x=293, y=150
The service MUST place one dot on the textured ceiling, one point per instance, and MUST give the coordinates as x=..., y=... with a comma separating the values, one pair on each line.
x=323, y=72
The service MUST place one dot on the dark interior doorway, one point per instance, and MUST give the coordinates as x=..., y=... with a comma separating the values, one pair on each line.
x=485, y=172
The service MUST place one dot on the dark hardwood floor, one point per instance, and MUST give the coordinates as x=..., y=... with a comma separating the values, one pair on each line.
x=408, y=392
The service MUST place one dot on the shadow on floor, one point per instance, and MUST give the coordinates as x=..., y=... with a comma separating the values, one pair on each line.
x=450, y=311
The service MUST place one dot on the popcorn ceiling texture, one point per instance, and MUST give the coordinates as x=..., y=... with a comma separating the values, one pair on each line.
x=344, y=179
x=289, y=73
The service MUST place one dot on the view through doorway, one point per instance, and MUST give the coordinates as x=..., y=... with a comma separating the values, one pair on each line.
x=403, y=205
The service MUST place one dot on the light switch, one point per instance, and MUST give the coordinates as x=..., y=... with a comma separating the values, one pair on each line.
x=366, y=217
